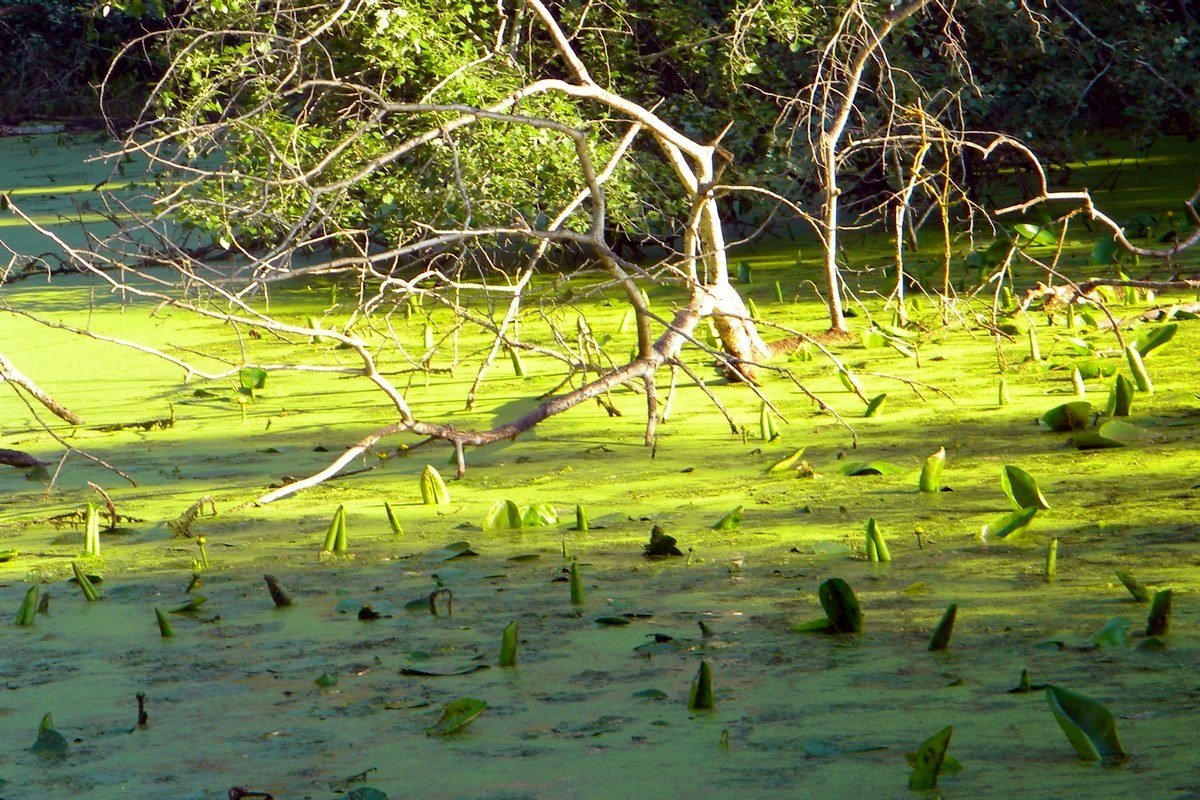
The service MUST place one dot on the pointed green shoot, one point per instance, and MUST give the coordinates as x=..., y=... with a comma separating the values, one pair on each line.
x=931, y=472
x=508, y=645
x=164, y=624
x=941, y=634
x=433, y=488
x=701, y=698
x=85, y=583
x=1158, y=623
x=1140, y=376
x=393, y=520
x=1051, y=560
x=581, y=519
x=576, y=583
x=29, y=605
x=875, y=537
x=731, y=521
x=929, y=759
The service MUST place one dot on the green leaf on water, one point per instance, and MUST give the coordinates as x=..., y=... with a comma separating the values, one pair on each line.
x=1021, y=488
x=1067, y=417
x=1009, y=526
x=251, y=378
x=326, y=680
x=49, y=741
x=612, y=622
x=1089, y=726
x=929, y=760
x=457, y=715
x=1093, y=369
x=1153, y=338
x=499, y=516
x=1027, y=234
x=1113, y=433
x=731, y=521
x=840, y=606
x=931, y=472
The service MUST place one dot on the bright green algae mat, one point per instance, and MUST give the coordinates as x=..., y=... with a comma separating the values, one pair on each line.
x=591, y=710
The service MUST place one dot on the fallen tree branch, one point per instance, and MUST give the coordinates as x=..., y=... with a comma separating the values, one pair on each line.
x=11, y=374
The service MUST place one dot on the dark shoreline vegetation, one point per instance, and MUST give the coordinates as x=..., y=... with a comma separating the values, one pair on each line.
x=710, y=672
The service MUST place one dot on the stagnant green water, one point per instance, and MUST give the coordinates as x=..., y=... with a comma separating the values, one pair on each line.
x=231, y=696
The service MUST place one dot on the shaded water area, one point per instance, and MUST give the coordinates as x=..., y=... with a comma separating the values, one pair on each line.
x=593, y=709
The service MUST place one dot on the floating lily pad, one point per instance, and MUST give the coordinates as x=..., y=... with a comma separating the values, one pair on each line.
x=612, y=621
x=453, y=550
x=457, y=715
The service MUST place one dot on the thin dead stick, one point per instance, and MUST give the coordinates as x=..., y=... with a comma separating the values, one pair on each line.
x=70, y=448
x=10, y=374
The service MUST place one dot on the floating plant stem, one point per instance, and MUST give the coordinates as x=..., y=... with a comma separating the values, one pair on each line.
x=1051, y=560
x=581, y=519
x=1003, y=398
x=164, y=624
x=941, y=634
x=200, y=542
x=508, y=645
x=700, y=698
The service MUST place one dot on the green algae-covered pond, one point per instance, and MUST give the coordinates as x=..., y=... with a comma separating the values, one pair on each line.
x=322, y=698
